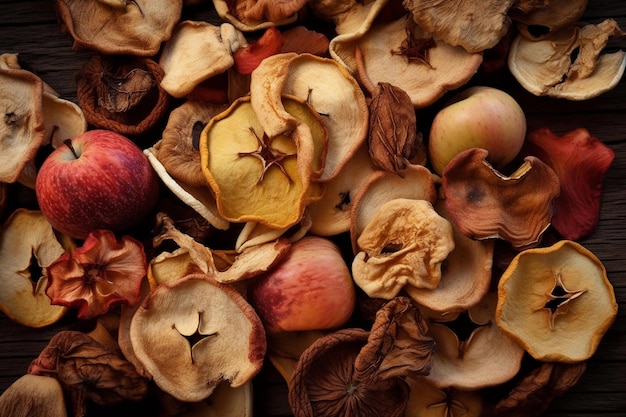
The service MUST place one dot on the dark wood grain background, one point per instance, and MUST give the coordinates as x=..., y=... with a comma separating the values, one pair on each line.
x=30, y=28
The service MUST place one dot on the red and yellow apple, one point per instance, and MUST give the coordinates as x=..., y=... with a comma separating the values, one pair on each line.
x=97, y=180
x=310, y=289
x=478, y=117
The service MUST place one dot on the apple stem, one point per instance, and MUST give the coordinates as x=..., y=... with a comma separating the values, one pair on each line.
x=68, y=143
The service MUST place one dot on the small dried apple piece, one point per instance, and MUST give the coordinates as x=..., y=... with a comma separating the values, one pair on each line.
x=237, y=13
x=97, y=275
x=486, y=204
x=248, y=57
x=27, y=244
x=580, y=161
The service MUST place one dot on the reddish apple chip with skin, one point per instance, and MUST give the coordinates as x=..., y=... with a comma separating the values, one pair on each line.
x=103, y=272
x=249, y=57
x=580, y=161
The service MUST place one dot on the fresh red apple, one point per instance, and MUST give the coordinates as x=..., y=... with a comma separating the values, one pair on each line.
x=98, y=180
x=310, y=289
x=478, y=117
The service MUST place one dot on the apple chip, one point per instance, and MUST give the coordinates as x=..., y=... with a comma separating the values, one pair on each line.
x=22, y=130
x=327, y=87
x=196, y=52
x=404, y=243
x=259, y=177
x=136, y=27
x=250, y=16
x=27, y=242
x=415, y=182
x=195, y=333
x=557, y=302
x=570, y=63
x=459, y=26
x=465, y=274
x=486, y=204
x=485, y=358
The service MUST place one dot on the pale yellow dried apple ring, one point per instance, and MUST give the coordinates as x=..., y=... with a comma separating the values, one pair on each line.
x=557, y=302
x=259, y=178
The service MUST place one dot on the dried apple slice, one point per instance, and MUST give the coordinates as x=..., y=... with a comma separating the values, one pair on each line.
x=570, y=63
x=488, y=357
x=331, y=214
x=486, y=204
x=557, y=302
x=327, y=87
x=581, y=162
x=22, y=131
x=196, y=52
x=247, y=17
x=415, y=182
x=136, y=28
x=458, y=26
x=195, y=333
x=404, y=243
x=262, y=178
x=27, y=241
x=465, y=274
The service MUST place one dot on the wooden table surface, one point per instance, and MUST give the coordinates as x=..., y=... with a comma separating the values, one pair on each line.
x=30, y=28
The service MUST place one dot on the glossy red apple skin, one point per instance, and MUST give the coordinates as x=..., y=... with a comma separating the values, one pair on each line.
x=310, y=289
x=478, y=117
x=111, y=185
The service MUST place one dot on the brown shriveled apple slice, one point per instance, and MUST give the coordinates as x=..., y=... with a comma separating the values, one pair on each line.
x=136, y=28
x=34, y=396
x=486, y=204
x=27, y=242
x=195, y=333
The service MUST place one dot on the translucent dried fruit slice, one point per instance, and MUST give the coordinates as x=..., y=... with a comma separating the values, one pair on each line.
x=557, y=302
x=260, y=178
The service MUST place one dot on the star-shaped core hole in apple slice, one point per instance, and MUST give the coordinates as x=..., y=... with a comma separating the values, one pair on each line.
x=559, y=298
x=268, y=156
x=197, y=335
